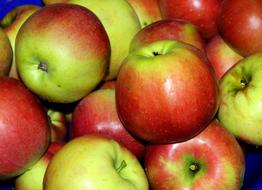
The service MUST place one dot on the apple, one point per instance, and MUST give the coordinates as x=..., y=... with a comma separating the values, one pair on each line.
x=11, y=23
x=240, y=25
x=168, y=30
x=121, y=23
x=97, y=114
x=58, y=125
x=24, y=131
x=241, y=100
x=6, y=53
x=211, y=160
x=62, y=52
x=48, y=2
x=147, y=11
x=166, y=92
x=202, y=13
x=32, y=179
x=94, y=162
x=221, y=55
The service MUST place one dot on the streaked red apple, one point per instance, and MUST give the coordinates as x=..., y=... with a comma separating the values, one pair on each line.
x=240, y=25
x=202, y=13
x=166, y=92
x=24, y=128
x=97, y=114
x=211, y=160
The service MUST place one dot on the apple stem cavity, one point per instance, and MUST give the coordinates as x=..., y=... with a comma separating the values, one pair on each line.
x=244, y=82
x=43, y=66
x=121, y=167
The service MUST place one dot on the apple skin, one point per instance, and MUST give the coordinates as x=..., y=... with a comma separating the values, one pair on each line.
x=221, y=55
x=25, y=138
x=147, y=11
x=58, y=125
x=211, y=160
x=168, y=30
x=32, y=179
x=11, y=23
x=121, y=23
x=202, y=13
x=94, y=162
x=6, y=53
x=166, y=92
x=97, y=114
x=241, y=101
x=108, y=84
x=240, y=25
x=62, y=52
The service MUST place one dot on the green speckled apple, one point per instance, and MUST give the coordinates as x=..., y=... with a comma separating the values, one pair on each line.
x=241, y=100
x=62, y=52
x=94, y=162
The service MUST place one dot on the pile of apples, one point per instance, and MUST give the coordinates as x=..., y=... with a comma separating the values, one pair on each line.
x=130, y=94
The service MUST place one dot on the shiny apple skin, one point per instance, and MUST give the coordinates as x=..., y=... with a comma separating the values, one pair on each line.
x=168, y=97
x=240, y=24
x=24, y=128
x=97, y=114
x=202, y=13
x=218, y=155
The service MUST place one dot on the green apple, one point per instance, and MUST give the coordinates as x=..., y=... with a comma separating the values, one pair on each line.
x=6, y=53
x=147, y=11
x=240, y=110
x=32, y=179
x=121, y=23
x=11, y=23
x=62, y=52
x=94, y=162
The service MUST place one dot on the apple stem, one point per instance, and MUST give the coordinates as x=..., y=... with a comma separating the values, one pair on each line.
x=155, y=53
x=43, y=67
x=193, y=167
x=122, y=166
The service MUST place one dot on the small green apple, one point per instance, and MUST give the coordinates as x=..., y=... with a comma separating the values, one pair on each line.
x=62, y=52
x=240, y=110
x=94, y=162
x=6, y=53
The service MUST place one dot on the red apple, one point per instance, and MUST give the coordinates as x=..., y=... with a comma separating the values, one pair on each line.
x=166, y=92
x=96, y=114
x=211, y=160
x=221, y=55
x=240, y=24
x=33, y=178
x=108, y=84
x=24, y=128
x=168, y=30
x=202, y=13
